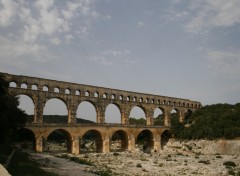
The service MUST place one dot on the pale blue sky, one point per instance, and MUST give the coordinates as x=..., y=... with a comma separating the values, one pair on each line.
x=179, y=48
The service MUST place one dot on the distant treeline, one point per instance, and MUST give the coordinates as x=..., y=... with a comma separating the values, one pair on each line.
x=210, y=122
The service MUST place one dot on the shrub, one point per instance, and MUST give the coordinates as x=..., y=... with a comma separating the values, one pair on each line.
x=229, y=163
x=138, y=165
x=160, y=165
x=116, y=154
x=144, y=159
x=231, y=172
x=204, y=161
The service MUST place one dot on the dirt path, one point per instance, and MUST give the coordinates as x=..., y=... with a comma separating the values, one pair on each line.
x=60, y=166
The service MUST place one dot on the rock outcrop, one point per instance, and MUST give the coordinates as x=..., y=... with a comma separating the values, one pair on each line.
x=223, y=147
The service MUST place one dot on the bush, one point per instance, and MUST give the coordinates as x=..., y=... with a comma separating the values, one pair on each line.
x=231, y=172
x=204, y=161
x=138, y=165
x=116, y=154
x=229, y=164
x=210, y=122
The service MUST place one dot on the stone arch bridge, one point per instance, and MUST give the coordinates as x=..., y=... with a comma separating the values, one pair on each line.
x=41, y=90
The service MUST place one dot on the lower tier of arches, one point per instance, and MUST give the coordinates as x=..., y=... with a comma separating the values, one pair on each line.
x=100, y=137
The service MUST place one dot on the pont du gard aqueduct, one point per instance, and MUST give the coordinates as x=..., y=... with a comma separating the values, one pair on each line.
x=41, y=90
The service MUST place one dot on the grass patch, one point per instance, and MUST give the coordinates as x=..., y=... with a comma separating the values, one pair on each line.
x=77, y=160
x=21, y=165
x=81, y=161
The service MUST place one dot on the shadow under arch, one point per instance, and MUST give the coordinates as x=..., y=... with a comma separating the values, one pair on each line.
x=26, y=138
x=166, y=135
x=145, y=141
x=59, y=140
x=92, y=141
x=119, y=141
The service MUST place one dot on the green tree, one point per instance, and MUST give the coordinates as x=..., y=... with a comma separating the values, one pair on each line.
x=11, y=117
x=211, y=122
x=133, y=121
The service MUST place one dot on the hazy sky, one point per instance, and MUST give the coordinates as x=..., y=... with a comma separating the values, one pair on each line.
x=179, y=48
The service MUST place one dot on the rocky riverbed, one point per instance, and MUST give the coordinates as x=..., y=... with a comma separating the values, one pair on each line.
x=209, y=158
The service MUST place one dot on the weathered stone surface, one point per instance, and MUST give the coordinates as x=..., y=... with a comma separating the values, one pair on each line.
x=3, y=171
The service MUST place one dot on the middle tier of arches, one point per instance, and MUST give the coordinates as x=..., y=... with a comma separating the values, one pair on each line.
x=72, y=104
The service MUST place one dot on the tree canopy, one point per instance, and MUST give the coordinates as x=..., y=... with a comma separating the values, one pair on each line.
x=210, y=122
x=11, y=117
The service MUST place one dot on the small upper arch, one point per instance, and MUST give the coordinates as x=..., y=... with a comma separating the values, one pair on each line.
x=12, y=84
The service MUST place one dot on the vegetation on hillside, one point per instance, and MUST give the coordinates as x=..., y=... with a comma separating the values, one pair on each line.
x=11, y=117
x=210, y=122
x=134, y=121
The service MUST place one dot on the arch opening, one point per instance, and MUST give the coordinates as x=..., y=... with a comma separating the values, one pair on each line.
x=45, y=88
x=34, y=87
x=188, y=117
x=86, y=113
x=158, y=117
x=96, y=94
x=120, y=97
x=86, y=93
x=55, y=111
x=137, y=116
x=12, y=84
x=174, y=116
x=104, y=95
x=77, y=92
x=67, y=91
x=27, y=105
x=24, y=86
x=144, y=141
x=56, y=90
x=58, y=141
x=166, y=135
x=91, y=142
x=112, y=114
x=119, y=141
x=26, y=139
